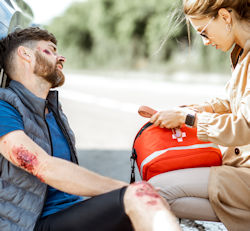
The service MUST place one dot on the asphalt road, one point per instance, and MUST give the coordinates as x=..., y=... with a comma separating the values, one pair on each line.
x=102, y=111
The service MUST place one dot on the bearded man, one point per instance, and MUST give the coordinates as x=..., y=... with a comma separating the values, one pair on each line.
x=41, y=185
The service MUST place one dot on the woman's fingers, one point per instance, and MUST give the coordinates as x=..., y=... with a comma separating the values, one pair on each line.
x=157, y=119
x=154, y=118
x=168, y=119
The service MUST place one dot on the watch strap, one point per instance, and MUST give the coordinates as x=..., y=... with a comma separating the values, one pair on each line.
x=190, y=120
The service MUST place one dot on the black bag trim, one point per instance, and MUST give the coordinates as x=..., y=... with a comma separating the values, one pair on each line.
x=134, y=154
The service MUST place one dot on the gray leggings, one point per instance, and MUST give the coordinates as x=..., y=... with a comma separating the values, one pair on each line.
x=186, y=191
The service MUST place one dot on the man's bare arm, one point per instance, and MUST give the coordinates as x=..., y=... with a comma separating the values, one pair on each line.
x=21, y=151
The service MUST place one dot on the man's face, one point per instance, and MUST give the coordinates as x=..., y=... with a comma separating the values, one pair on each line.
x=49, y=64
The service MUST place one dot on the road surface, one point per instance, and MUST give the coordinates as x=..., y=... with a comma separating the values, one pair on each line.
x=102, y=111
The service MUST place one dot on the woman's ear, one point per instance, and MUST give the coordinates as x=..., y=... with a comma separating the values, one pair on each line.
x=24, y=53
x=225, y=15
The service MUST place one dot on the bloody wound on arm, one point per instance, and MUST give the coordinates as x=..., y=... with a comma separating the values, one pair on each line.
x=25, y=159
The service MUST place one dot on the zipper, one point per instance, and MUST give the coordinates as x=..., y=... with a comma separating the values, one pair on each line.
x=138, y=134
x=44, y=117
x=134, y=154
x=51, y=147
x=65, y=133
x=142, y=129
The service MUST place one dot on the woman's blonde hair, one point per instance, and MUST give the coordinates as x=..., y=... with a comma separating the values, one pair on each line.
x=202, y=8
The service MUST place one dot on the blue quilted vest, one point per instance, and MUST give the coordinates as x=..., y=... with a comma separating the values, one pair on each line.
x=22, y=195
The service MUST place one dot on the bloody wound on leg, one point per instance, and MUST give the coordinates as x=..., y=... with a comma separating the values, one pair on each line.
x=146, y=189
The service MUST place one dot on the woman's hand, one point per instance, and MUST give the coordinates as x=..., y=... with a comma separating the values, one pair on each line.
x=169, y=119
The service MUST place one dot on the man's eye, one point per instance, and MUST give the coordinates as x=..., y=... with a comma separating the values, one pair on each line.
x=204, y=36
x=53, y=51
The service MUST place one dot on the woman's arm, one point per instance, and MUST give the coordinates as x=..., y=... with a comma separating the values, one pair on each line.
x=232, y=128
x=21, y=151
x=176, y=117
x=223, y=129
x=226, y=130
x=214, y=105
x=199, y=107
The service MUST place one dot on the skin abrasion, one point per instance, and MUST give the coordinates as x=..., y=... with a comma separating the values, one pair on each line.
x=152, y=202
x=26, y=160
x=46, y=52
x=146, y=190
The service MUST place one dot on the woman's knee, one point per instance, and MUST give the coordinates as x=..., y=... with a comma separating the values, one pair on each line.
x=167, y=187
x=182, y=183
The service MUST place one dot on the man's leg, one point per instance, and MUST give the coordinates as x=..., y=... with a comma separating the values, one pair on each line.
x=147, y=210
x=186, y=191
x=101, y=213
x=114, y=211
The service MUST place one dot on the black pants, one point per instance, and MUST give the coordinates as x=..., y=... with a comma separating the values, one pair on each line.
x=101, y=213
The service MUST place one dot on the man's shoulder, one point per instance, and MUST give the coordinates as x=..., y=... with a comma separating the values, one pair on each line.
x=3, y=103
x=9, y=96
x=6, y=92
x=10, y=118
x=7, y=108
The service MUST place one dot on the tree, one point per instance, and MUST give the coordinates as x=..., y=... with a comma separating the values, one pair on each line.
x=111, y=33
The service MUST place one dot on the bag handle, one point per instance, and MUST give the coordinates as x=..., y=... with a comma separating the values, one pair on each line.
x=148, y=112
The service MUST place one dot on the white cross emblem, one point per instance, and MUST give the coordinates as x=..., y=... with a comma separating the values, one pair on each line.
x=178, y=134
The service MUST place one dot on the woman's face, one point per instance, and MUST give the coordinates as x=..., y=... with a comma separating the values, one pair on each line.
x=214, y=31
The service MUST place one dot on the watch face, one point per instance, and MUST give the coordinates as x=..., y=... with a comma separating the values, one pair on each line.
x=190, y=120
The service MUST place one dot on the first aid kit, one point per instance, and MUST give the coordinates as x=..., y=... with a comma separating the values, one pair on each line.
x=157, y=150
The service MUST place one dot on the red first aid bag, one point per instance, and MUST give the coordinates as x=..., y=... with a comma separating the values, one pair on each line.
x=157, y=150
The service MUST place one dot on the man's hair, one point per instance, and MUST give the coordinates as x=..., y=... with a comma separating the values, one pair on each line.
x=24, y=37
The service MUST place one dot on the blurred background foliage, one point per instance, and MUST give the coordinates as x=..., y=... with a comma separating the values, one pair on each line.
x=146, y=35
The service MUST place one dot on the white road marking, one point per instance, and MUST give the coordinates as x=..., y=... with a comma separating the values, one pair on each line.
x=145, y=85
x=99, y=101
x=75, y=85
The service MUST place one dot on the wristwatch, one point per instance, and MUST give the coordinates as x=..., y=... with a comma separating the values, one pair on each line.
x=190, y=119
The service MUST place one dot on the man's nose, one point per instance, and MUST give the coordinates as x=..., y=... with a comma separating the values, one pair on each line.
x=61, y=58
x=206, y=41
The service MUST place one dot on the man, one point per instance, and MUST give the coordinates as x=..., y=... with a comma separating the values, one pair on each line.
x=41, y=183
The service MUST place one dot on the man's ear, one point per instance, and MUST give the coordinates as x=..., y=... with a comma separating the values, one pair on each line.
x=225, y=15
x=24, y=53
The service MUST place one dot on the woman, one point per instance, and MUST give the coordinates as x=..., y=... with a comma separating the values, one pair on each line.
x=217, y=193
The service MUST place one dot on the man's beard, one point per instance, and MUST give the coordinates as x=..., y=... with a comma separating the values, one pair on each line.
x=48, y=71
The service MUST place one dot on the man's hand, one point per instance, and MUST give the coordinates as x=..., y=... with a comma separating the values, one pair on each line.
x=169, y=119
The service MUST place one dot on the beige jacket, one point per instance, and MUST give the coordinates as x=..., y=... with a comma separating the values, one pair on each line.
x=229, y=126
